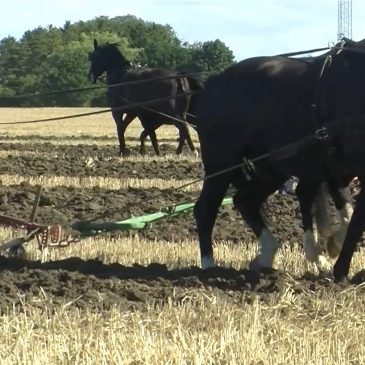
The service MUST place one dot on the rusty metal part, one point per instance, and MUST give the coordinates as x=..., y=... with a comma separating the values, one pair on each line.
x=51, y=236
x=17, y=222
x=47, y=236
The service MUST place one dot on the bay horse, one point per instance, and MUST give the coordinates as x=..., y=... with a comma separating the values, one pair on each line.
x=263, y=107
x=151, y=83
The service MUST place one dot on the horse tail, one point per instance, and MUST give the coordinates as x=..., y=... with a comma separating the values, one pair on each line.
x=181, y=99
x=196, y=86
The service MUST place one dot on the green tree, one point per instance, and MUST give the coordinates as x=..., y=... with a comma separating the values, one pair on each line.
x=10, y=69
x=210, y=56
x=159, y=45
x=49, y=58
x=67, y=67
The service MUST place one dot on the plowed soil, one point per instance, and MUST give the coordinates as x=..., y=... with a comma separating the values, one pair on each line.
x=96, y=285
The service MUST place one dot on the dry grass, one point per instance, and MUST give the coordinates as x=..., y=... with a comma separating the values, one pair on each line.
x=99, y=125
x=192, y=158
x=202, y=328
x=97, y=181
x=322, y=328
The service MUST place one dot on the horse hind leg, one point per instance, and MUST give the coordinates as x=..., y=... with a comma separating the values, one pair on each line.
x=342, y=199
x=142, y=138
x=188, y=137
x=149, y=130
x=323, y=219
x=154, y=142
x=312, y=205
x=355, y=230
x=183, y=135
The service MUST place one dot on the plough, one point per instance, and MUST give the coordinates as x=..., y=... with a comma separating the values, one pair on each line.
x=46, y=235
x=50, y=236
x=88, y=229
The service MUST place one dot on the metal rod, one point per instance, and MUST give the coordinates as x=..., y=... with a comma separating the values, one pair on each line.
x=36, y=203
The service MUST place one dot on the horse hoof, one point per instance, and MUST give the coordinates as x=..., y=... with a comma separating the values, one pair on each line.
x=124, y=153
x=256, y=265
x=342, y=280
x=340, y=277
x=207, y=263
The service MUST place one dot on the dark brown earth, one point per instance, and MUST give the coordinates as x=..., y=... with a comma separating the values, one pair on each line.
x=95, y=285
x=66, y=205
x=94, y=160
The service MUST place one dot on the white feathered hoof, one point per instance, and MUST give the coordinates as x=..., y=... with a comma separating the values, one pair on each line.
x=323, y=265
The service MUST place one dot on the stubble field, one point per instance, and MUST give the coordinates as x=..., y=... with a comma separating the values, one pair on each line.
x=139, y=297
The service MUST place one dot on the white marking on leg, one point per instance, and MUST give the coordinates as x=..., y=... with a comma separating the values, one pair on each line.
x=323, y=265
x=335, y=243
x=310, y=247
x=207, y=262
x=346, y=213
x=312, y=251
x=268, y=245
x=322, y=217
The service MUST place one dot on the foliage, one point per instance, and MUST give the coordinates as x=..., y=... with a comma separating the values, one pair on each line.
x=211, y=56
x=51, y=59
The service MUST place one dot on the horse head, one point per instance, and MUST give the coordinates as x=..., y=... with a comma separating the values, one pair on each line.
x=106, y=58
x=342, y=84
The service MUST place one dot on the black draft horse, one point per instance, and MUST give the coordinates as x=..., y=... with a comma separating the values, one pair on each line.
x=264, y=105
x=154, y=83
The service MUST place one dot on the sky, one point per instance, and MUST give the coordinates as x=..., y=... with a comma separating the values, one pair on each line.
x=248, y=27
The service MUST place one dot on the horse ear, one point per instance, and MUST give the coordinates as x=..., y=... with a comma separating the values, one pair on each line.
x=95, y=43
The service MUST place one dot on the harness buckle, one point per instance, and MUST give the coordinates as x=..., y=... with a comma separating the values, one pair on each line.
x=322, y=134
x=248, y=169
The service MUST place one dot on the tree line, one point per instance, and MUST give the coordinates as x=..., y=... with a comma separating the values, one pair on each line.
x=52, y=58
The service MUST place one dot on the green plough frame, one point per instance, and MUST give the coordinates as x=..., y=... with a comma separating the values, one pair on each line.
x=87, y=229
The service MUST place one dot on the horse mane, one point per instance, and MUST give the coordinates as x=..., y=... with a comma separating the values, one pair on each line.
x=111, y=50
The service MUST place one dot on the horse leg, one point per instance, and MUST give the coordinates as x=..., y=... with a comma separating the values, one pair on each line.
x=205, y=212
x=118, y=119
x=343, y=202
x=183, y=135
x=149, y=130
x=354, y=232
x=312, y=202
x=188, y=137
x=143, y=136
x=154, y=142
x=142, y=139
x=249, y=200
x=122, y=125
